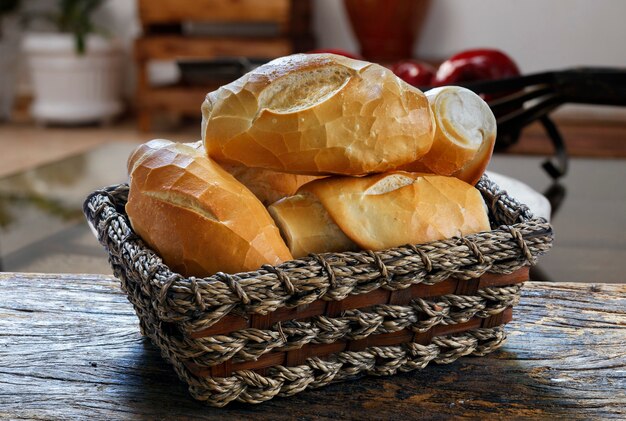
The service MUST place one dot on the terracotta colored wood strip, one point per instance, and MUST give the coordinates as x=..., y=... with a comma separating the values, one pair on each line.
x=232, y=323
x=505, y=317
x=467, y=287
x=400, y=297
x=494, y=279
x=261, y=321
x=298, y=357
x=423, y=338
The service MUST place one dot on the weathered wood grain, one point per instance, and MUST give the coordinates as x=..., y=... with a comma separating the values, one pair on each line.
x=70, y=348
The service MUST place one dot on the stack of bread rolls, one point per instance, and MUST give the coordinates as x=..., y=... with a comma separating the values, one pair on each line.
x=311, y=154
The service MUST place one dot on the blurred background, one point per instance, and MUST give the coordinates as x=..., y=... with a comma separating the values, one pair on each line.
x=83, y=82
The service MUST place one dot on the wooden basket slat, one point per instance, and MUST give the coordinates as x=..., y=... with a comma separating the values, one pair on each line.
x=233, y=322
x=299, y=356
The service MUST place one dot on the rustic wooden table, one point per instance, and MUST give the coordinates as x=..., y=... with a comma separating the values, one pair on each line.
x=70, y=348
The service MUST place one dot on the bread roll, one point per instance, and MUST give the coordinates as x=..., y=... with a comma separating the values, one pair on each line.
x=267, y=185
x=195, y=215
x=380, y=211
x=307, y=227
x=144, y=150
x=464, y=137
x=318, y=114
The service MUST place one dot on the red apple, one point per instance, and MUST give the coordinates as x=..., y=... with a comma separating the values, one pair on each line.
x=473, y=65
x=413, y=72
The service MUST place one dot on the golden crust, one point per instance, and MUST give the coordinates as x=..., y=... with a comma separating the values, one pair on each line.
x=429, y=208
x=267, y=185
x=307, y=227
x=464, y=137
x=197, y=217
x=318, y=114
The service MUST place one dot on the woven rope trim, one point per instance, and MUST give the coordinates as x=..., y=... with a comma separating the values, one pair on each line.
x=159, y=295
x=419, y=316
x=199, y=303
x=251, y=387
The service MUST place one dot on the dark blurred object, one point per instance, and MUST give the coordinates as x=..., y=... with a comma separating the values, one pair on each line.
x=205, y=30
x=8, y=6
x=555, y=194
x=231, y=29
x=413, y=72
x=386, y=30
x=223, y=70
x=9, y=51
x=535, y=96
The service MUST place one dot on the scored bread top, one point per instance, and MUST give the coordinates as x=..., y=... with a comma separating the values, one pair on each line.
x=318, y=114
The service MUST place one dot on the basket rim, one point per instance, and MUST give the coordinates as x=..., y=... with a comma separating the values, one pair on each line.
x=516, y=239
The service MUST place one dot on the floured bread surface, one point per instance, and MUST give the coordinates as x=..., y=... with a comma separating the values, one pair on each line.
x=409, y=208
x=388, y=183
x=318, y=114
x=297, y=91
x=196, y=216
x=144, y=150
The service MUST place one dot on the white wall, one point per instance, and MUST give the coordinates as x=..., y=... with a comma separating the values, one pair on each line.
x=538, y=34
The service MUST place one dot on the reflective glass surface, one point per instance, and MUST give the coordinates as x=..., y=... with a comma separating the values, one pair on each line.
x=42, y=228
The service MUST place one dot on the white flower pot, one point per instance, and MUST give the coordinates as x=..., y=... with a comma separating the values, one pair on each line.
x=70, y=88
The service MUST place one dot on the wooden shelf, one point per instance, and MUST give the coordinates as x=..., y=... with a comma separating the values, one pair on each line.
x=177, y=98
x=172, y=47
x=174, y=11
x=163, y=39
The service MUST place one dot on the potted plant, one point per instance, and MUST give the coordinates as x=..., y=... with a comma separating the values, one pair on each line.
x=9, y=35
x=75, y=71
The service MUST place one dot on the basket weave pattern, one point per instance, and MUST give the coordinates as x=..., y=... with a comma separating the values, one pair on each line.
x=325, y=318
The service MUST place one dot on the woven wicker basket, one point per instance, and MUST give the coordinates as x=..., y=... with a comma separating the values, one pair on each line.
x=325, y=318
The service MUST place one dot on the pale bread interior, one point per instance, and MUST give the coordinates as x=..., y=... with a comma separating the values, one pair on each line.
x=390, y=183
x=304, y=89
x=183, y=202
x=465, y=130
x=463, y=117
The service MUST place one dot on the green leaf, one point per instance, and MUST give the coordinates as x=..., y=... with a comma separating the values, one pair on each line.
x=76, y=17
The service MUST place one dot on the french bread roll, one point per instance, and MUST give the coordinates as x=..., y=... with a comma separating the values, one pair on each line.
x=195, y=215
x=464, y=138
x=379, y=211
x=317, y=114
x=144, y=150
x=267, y=185
x=307, y=227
